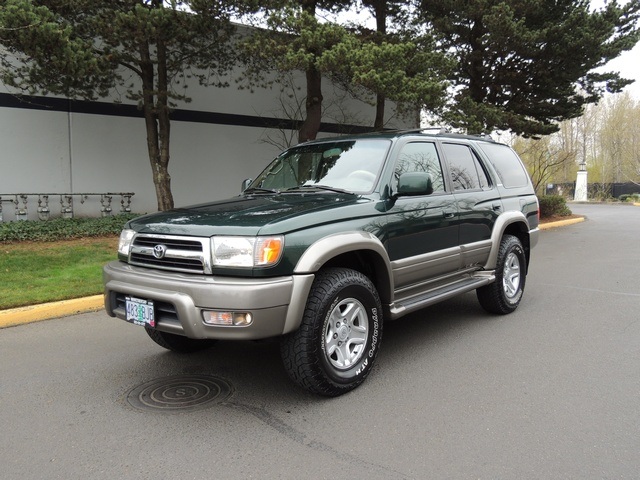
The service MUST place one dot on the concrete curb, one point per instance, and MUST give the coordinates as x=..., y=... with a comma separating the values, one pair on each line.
x=46, y=311
x=561, y=223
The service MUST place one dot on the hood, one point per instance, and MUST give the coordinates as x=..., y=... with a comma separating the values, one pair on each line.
x=247, y=215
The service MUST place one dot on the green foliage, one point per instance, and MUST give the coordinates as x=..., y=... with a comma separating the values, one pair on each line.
x=294, y=40
x=299, y=39
x=553, y=205
x=51, y=55
x=81, y=48
x=405, y=71
x=62, y=229
x=631, y=198
x=524, y=65
x=404, y=67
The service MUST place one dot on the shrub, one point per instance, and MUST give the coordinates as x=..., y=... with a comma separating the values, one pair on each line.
x=62, y=228
x=633, y=197
x=553, y=206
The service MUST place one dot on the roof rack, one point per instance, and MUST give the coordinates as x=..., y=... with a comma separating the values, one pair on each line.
x=438, y=130
x=445, y=131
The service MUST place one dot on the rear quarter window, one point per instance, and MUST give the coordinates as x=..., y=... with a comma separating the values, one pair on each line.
x=509, y=167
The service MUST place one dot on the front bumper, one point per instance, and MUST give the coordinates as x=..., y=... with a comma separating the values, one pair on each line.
x=276, y=304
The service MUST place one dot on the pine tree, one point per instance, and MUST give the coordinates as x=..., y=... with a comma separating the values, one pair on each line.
x=405, y=68
x=525, y=65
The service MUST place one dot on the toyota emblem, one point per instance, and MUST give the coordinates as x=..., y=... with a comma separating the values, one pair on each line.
x=159, y=251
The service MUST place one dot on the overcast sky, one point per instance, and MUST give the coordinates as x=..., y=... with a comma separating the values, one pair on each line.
x=628, y=64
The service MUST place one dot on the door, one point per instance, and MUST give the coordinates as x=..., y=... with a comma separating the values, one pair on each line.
x=478, y=202
x=422, y=230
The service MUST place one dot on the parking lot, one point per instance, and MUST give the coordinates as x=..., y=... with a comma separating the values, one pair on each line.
x=551, y=391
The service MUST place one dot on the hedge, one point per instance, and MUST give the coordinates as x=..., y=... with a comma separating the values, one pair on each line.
x=62, y=228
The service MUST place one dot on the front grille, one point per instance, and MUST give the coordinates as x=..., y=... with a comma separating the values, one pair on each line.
x=179, y=243
x=181, y=254
x=173, y=264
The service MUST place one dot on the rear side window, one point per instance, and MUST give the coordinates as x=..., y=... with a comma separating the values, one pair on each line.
x=465, y=168
x=507, y=164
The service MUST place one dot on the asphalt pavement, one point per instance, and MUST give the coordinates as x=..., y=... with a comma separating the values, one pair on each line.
x=550, y=391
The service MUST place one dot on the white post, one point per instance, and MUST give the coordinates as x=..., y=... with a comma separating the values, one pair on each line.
x=580, y=194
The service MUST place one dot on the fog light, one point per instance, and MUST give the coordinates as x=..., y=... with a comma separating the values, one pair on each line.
x=242, y=319
x=229, y=319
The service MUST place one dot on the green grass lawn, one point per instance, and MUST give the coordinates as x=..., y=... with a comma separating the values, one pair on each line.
x=39, y=272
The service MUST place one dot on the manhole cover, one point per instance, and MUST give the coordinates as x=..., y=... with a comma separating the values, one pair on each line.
x=179, y=393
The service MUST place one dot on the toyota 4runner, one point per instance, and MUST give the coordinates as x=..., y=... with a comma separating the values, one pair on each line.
x=333, y=239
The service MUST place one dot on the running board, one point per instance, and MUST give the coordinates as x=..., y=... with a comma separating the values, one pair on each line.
x=417, y=302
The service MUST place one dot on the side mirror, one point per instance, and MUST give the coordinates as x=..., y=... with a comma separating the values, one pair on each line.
x=245, y=184
x=414, y=183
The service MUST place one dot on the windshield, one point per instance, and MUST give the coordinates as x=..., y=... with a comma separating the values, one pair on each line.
x=351, y=165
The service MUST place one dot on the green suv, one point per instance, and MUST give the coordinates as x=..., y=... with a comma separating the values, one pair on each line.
x=333, y=239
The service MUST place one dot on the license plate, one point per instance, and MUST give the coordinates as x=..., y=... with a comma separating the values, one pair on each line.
x=140, y=311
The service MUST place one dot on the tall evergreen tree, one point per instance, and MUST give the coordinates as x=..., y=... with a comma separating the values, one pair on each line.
x=295, y=39
x=83, y=48
x=407, y=70
x=403, y=68
x=524, y=65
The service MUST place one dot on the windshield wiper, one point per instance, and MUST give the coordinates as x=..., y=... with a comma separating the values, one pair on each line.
x=260, y=190
x=320, y=187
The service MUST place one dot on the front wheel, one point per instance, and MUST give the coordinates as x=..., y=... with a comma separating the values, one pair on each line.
x=503, y=296
x=334, y=349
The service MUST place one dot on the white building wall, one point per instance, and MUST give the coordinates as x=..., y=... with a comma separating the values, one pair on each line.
x=45, y=151
x=34, y=151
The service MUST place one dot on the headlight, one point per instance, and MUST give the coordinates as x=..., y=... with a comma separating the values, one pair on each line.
x=124, y=245
x=246, y=251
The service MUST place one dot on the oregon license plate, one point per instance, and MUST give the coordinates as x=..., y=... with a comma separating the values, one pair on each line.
x=140, y=311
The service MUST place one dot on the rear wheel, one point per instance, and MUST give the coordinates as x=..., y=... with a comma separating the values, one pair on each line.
x=503, y=296
x=178, y=343
x=334, y=349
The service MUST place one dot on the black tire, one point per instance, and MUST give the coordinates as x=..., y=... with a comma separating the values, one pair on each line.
x=335, y=347
x=178, y=343
x=503, y=296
